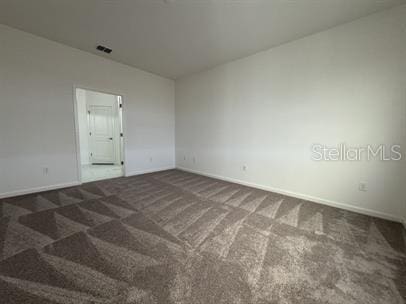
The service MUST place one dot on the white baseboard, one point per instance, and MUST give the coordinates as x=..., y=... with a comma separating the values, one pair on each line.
x=132, y=173
x=71, y=184
x=318, y=200
x=38, y=189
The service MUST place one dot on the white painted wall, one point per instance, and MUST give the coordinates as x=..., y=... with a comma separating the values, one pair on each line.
x=346, y=84
x=83, y=126
x=37, y=129
x=403, y=213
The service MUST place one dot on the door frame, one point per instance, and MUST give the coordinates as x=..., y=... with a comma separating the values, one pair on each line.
x=76, y=125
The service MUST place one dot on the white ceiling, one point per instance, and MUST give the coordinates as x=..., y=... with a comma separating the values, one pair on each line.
x=173, y=38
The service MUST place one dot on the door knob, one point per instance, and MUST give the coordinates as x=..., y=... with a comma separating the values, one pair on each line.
x=111, y=138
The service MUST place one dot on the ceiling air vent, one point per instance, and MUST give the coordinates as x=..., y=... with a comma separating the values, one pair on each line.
x=104, y=49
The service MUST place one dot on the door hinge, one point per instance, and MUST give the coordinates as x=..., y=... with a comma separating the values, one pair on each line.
x=88, y=112
x=121, y=134
x=91, y=154
x=121, y=105
x=122, y=162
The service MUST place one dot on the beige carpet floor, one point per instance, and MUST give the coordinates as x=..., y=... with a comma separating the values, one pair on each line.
x=176, y=237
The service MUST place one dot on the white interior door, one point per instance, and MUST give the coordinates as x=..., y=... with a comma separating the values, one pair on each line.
x=101, y=134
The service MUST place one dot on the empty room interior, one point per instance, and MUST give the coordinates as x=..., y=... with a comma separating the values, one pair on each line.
x=201, y=151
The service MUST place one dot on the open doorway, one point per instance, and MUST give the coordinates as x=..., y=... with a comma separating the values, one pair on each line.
x=100, y=133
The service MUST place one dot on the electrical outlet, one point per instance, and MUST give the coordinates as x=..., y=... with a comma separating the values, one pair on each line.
x=45, y=170
x=362, y=186
x=184, y=157
x=150, y=159
x=244, y=168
